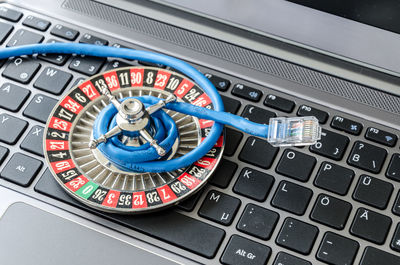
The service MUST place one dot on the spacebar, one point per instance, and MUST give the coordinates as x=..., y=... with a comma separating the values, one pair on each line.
x=170, y=226
x=373, y=256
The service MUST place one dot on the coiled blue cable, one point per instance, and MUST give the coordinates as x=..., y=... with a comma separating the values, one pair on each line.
x=218, y=115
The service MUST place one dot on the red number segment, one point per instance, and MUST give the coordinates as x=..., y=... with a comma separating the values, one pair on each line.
x=162, y=79
x=61, y=166
x=111, y=199
x=76, y=183
x=139, y=200
x=206, y=162
x=189, y=181
x=202, y=101
x=59, y=124
x=71, y=105
x=52, y=145
x=166, y=194
x=205, y=123
x=112, y=80
x=220, y=141
x=137, y=77
x=183, y=88
x=89, y=90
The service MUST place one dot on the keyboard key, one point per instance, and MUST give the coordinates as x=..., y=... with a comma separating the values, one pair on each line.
x=11, y=128
x=395, y=243
x=90, y=39
x=286, y=259
x=191, y=234
x=381, y=137
x=64, y=32
x=346, y=125
x=21, y=70
x=224, y=173
x=114, y=64
x=279, y=103
x=33, y=142
x=253, y=184
x=258, y=115
x=24, y=37
x=258, y=221
x=296, y=165
x=36, y=23
x=12, y=97
x=393, y=171
x=331, y=211
x=297, y=236
x=57, y=59
x=10, y=14
x=331, y=145
x=21, y=169
x=306, y=110
x=86, y=65
x=230, y=105
x=232, y=141
x=40, y=107
x=5, y=30
x=373, y=191
x=78, y=81
x=374, y=256
x=247, y=92
x=220, y=83
x=291, y=197
x=367, y=157
x=189, y=203
x=219, y=207
x=335, y=249
x=53, y=80
x=252, y=150
x=371, y=226
x=3, y=153
x=241, y=250
x=396, y=205
x=150, y=64
x=334, y=178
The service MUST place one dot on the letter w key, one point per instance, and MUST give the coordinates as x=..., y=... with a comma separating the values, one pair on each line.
x=53, y=80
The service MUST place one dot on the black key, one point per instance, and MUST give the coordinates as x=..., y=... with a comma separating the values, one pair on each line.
x=220, y=83
x=24, y=37
x=5, y=30
x=230, y=105
x=346, y=125
x=21, y=70
x=296, y=165
x=11, y=128
x=12, y=97
x=258, y=221
x=189, y=203
x=334, y=178
x=370, y=226
x=21, y=169
x=33, y=142
x=306, y=110
x=3, y=153
x=367, y=157
x=286, y=259
x=331, y=145
x=335, y=249
x=78, y=81
x=87, y=65
x=253, y=184
x=279, y=103
x=395, y=243
x=232, y=141
x=115, y=64
x=219, y=207
x=241, y=250
x=381, y=137
x=191, y=234
x=331, y=211
x=36, y=23
x=396, y=205
x=158, y=65
x=90, y=39
x=64, y=32
x=53, y=80
x=224, y=173
x=258, y=115
x=374, y=256
x=253, y=148
x=297, y=236
x=57, y=59
x=40, y=107
x=247, y=92
x=10, y=14
x=373, y=191
x=291, y=197
x=393, y=171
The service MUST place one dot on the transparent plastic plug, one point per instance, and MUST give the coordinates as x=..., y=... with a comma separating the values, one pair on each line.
x=294, y=131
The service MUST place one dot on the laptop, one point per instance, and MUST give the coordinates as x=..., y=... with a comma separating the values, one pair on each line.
x=335, y=202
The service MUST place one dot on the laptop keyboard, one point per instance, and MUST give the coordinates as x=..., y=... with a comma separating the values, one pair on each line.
x=334, y=202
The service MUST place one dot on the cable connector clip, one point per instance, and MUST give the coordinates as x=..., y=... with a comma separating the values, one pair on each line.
x=294, y=131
